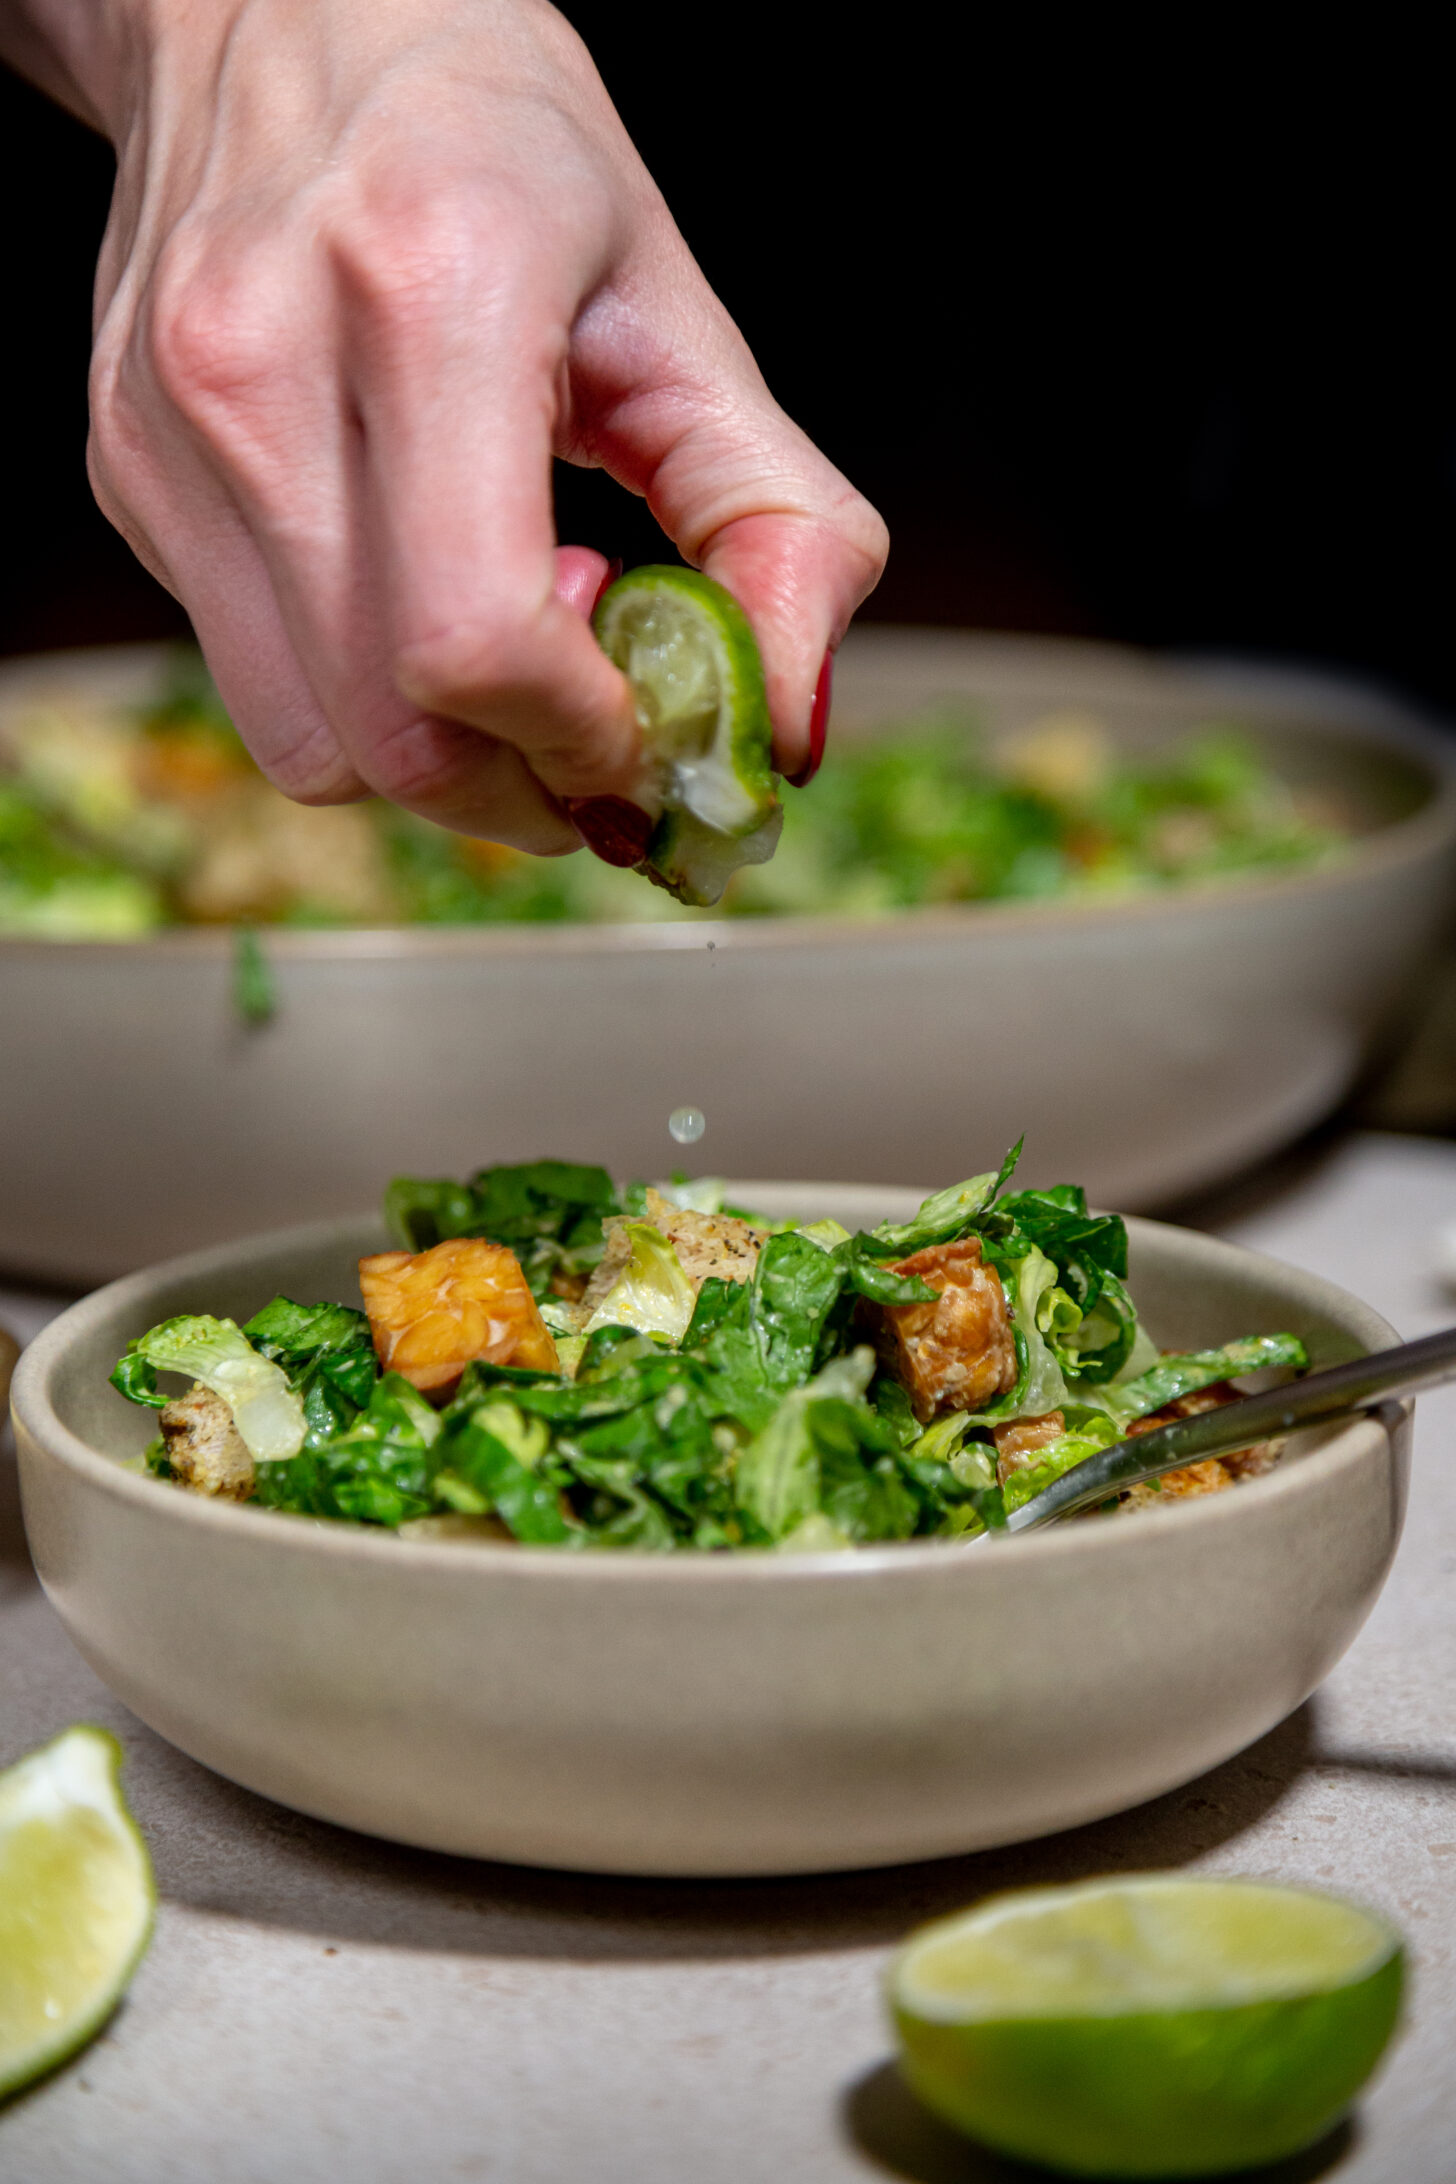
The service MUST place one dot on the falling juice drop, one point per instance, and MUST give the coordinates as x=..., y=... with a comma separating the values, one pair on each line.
x=686, y=1124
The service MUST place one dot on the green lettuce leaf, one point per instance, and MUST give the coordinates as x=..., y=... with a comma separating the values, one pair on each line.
x=379, y=1472
x=327, y=1352
x=763, y=1337
x=1091, y=1433
x=1188, y=1370
x=946, y=1214
x=548, y=1212
x=266, y=1410
x=778, y=1482
x=651, y=1293
x=490, y=1459
x=1030, y=1283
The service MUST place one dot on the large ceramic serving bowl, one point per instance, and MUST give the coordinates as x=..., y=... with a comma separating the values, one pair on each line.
x=1146, y=1047
x=713, y=1714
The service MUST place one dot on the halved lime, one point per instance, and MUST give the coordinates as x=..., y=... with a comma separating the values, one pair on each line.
x=685, y=646
x=1147, y=2027
x=76, y=1901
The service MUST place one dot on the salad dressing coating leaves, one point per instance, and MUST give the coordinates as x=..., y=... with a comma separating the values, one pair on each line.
x=694, y=1411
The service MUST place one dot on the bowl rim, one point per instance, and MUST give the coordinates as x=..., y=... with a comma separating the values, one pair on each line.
x=1420, y=834
x=37, y=1422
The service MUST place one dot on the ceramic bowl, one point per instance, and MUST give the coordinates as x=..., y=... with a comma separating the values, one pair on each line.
x=1146, y=1047
x=771, y=1713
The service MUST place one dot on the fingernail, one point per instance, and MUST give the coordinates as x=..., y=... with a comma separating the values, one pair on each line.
x=613, y=829
x=614, y=570
x=818, y=725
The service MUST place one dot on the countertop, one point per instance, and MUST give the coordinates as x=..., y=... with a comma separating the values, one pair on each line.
x=318, y=2006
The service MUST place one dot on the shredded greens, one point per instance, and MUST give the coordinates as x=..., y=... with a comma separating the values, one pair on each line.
x=116, y=821
x=707, y=1413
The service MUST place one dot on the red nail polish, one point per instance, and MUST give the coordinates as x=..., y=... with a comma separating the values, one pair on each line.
x=613, y=829
x=614, y=570
x=818, y=726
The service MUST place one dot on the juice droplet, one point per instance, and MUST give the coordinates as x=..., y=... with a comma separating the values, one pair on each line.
x=686, y=1124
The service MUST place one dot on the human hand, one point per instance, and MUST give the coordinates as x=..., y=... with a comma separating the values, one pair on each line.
x=370, y=264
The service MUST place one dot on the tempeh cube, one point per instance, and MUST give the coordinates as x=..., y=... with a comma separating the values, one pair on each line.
x=958, y=1353
x=434, y=1312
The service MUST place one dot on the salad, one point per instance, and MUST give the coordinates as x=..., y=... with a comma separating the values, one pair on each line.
x=115, y=823
x=548, y=1360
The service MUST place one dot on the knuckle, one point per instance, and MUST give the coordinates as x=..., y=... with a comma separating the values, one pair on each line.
x=417, y=243
x=465, y=668
x=419, y=252
x=419, y=762
x=212, y=342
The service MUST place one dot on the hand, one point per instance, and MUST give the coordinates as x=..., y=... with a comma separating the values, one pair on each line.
x=370, y=264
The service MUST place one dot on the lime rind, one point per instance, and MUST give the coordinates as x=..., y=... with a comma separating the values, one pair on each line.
x=77, y=1901
x=1105, y=2057
x=689, y=652
x=695, y=863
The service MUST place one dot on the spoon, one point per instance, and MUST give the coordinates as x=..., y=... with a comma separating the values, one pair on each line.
x=1361, y=1385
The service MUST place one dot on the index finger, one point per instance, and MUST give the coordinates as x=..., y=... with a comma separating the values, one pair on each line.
x=456, y=388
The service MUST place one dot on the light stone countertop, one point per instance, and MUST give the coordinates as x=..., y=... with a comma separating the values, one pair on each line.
x=317, y=2006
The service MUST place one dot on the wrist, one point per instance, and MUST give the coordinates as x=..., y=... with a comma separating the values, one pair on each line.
x=95, y=56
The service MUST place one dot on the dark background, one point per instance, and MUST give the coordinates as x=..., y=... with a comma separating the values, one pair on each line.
x=1149, y=345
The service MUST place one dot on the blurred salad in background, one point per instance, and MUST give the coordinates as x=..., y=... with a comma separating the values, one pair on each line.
x=115, y=822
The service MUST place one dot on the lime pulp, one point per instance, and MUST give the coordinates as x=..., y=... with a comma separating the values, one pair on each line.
x=76, y=1901
x=689, y=653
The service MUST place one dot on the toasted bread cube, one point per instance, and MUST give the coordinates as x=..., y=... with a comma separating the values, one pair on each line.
x=706, y=1244
x=434, y=1312
x=204, y=1447
x=958, y=1353
x=1214, y=1473
x=717, y=1244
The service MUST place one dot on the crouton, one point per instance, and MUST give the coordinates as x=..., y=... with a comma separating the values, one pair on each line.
x=958, y=1353
x=705, y=1243
x=1214, y=1473
x=204, y=1447
x=717, y=1244
x=432, y=1313
x=1021, y=1441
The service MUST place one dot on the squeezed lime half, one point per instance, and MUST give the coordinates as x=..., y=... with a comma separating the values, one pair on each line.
x=1147, y=2027
x=686, y=647
x=76, y=1901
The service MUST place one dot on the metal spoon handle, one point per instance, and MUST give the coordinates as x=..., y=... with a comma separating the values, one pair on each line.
x=1360, y=1384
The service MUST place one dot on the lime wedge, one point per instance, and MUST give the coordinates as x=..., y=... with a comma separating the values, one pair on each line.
x=685, y=646
x=1153, y=2026
x=76, y=1899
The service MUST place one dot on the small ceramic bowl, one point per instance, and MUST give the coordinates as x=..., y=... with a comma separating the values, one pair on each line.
x=712, y=1714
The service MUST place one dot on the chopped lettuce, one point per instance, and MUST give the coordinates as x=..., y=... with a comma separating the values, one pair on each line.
x=379, y=1471
x=328, y=1354
x=548, y=1212
x=750, y=1416
x=1090, y=1433
x=651, y=1293
x=778, y=1482
x=267, y=1412
x=1186, y=1371
x=947, y=1214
